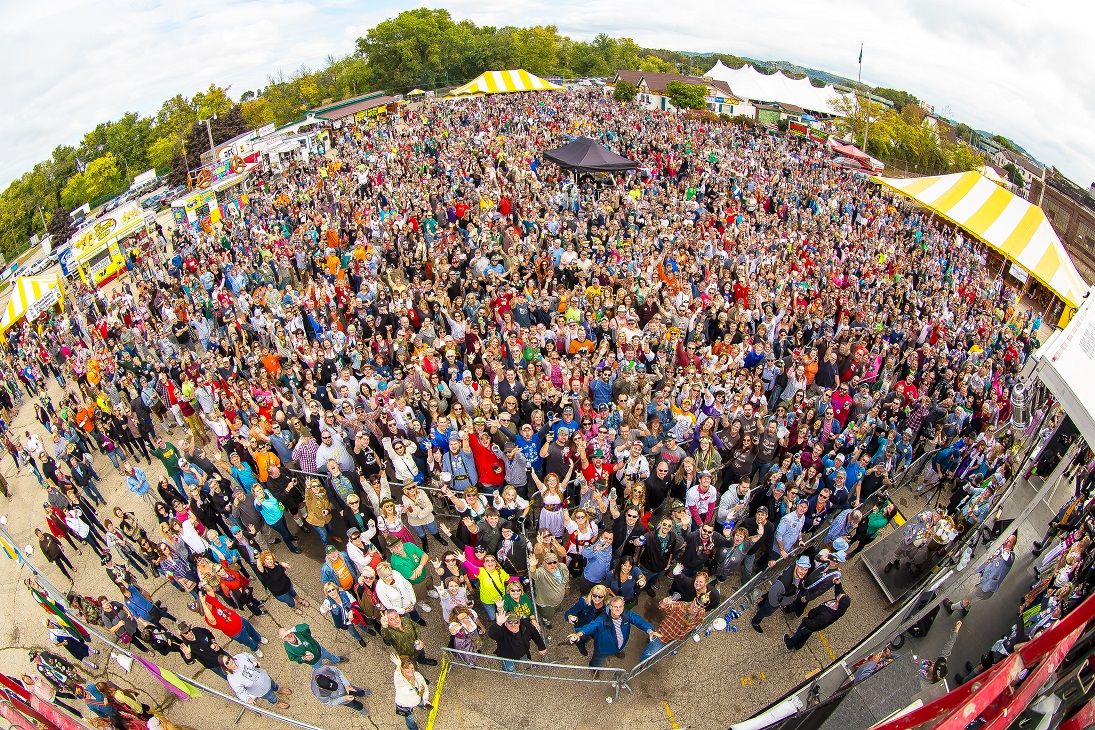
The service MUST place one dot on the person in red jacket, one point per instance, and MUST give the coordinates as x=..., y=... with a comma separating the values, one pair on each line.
x=491, y=469
x=231, y=624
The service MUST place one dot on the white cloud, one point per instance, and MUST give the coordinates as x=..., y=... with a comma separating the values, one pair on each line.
x=1018, y=68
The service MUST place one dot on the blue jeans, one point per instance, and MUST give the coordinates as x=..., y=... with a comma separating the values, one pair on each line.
x=116, y=460
x=93, y=493
x=357, y=632
x=272, y=695
x=289, y=599
x=180, y=485
x=323, y=533
x=651, y=649
x=283, y=530
x=421, y=530
x=412, y=724
x=324, y=654
x=491, y=610
x=598, y=660
x=248, y=636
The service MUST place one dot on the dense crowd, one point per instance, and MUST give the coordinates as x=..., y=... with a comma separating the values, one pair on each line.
x=506, y=396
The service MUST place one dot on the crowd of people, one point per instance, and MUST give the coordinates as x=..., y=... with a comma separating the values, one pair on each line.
x=490, y=394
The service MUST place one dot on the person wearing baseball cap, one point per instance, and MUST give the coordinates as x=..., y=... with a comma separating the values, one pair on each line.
x=784, y=592
x=512, y=635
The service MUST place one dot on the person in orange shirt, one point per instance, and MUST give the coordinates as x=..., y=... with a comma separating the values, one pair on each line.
x=264, y=458
x=810, y=366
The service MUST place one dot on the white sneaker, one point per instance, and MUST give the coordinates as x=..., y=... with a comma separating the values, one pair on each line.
x=424, y=607
x=258, y=653
x=264, y=641
x=432, y=593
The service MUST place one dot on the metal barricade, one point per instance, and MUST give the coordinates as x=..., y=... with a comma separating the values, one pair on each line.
x=521, y=668
x=59, y=596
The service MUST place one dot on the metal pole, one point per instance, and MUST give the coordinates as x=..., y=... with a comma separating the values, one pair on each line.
x=209, y=131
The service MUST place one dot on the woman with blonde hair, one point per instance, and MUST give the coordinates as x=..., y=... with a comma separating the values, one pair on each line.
x=553, y=495
x=319, y=508
x=587, y=608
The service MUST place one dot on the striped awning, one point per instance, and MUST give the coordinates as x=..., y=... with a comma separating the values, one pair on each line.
x=1006, y=222
x=33, y=294
x=504, y=82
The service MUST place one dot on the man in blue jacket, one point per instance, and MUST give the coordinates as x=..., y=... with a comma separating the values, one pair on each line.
x=611, y=631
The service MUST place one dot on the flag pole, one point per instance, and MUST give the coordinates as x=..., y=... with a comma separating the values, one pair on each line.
x=867, y=123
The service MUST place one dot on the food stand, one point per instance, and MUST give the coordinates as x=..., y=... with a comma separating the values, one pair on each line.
x=218, y=192
x=99, y=249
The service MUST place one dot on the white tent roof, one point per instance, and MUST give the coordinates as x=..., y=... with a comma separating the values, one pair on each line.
x=748, y=83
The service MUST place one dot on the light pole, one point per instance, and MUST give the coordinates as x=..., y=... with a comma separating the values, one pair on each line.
x=209, y=131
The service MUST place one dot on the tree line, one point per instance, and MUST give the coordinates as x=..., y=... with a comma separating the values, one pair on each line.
x=423, y=48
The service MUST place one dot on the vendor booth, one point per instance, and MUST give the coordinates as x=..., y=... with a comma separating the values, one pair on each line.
x=31, y=297
x=1016, y=229
x=99, y=249
x=218, y=191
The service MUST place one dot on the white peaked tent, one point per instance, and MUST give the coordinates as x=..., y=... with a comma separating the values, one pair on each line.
x=748, y=83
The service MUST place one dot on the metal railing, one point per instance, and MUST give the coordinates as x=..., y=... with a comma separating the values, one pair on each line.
x=748, y=593
x=733, y=606
x=914, y=608
x=122, y=650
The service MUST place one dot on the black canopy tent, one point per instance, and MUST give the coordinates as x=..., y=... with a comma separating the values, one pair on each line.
x=589, y=155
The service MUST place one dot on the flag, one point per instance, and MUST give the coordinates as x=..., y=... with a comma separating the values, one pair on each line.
x=50, y=606
x=8, y=548
x=178, y=686
x=860, y=54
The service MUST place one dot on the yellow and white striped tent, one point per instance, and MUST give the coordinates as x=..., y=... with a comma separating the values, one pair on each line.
x=32, y=294
x=1014, y=227
x=504, y=82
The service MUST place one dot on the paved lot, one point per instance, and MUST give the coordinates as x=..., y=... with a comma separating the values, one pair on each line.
x=724, y=678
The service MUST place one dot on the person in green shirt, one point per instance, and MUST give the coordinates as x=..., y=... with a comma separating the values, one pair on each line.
x=403, y=637
x=168, y=454
x=409, y=561
x=868, y=528
x=301, y=647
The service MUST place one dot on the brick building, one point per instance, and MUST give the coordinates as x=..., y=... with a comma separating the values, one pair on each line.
x=1071, y=210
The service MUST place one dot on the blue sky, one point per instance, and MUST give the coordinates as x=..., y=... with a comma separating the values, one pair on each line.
x=1020, y=68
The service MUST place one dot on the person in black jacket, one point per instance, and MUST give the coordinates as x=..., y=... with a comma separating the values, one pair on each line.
x=197, y=644
x=513, y=634
x=700, y=548
x=819, y=617
x=699, y=589
x=762, y=534
x=627, y=532
x=660, y=548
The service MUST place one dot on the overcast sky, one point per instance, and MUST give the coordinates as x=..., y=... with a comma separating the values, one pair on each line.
x=1017, y=67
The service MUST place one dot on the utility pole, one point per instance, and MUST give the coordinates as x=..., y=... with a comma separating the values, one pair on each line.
x=43, y=217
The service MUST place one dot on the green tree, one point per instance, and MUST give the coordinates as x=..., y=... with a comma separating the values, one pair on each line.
x=686, y=96
x=257, y=112
x=656, y=64
x=625, y=91
x=899, y=98
x=214, y=100
x=175, y=117
x=100, y=179
x=162, y=151
x=1015, y=175
x=415, y=47
x=1004, y=142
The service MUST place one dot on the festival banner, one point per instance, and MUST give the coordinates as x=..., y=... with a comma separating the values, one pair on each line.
x=798, y=129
